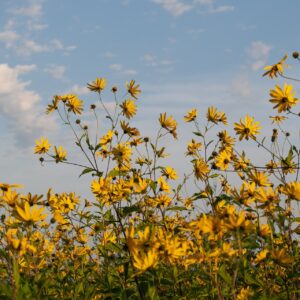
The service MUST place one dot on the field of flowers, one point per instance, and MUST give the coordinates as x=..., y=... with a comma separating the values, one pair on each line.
x=144, y=235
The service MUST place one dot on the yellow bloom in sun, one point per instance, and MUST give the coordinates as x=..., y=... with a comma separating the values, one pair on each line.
x=60, y=154
x=292, y=190
x=10, y=197
x=6, y=186
x=278, y=119
x=163, y=186
x=128, y=108
x=259, y=178
x=193, y=147
x=106, y=138
x=273, y=71
x=223, y=160
x=54, y=105
x=75, y=105
x=261, y=255
x=201, y=169
x=283, y=98
x=133, y=89
x=98, y=85
x=145, y=260
x=247, y=129
x=42, y=146
x=168, y=123
x=215, y=116
x=27, y=214
x=191, y=115
x=170, y=173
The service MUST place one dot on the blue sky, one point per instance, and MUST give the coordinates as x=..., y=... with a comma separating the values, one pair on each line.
x=184, y=54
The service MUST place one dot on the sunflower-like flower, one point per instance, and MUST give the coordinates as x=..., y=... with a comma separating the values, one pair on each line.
x=168, y=123
x=42, y=146
x=283, y=98
x=247, y=129
x=191, y=115
x=128, y=108
x=133, y=89
x=215, y=116
x=273, y=71
x=75, y=105
x=98, y=85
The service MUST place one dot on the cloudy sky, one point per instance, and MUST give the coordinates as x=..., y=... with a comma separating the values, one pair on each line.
x=184, y=54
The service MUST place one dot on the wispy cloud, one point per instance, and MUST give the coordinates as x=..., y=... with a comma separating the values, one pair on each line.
x=178, y=7
x=20, y=106
x=240, y=87
x=23, y=44
x=56, y=71
x=34, y=9
x=121, y=70
x=174, y=7
x=258, y=52
x=78, y=90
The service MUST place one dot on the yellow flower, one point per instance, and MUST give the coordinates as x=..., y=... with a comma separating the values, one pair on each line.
x=6, y=186
x=128, y=108
x=244, y=294
x=42, y=146
x=201, y=169
x=273, y=71
x=108, y=237
x=27, y=214
x=259, y=178
x=75, y=105
x=191, y=115
x=98, y=85
x=60, y=154
x=163, y=200
x=163, y=186
x=54, y=105
x=278, y=119
x=168, y=123
x=292, y=190
x=106, y=138
x=193, y=147
x=281, y=256
x=10, y=197
x=247, y=129
x=215, y=116
x=145, y=260
x=223, y=160
x=133, y=89
x=170, y=173
x=261, y=255
x=283, y=98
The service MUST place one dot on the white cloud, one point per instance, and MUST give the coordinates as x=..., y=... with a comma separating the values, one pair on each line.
x=174, y=7
x=78, y=90
x=178, y=7
x=9, y=38
x=121, y=70
x=240, y=86
x=258, y=52
x=152, y=61
x=27, y=47
x=216, y=10
x=33, y=10
x=21, y=106
x=56, y=71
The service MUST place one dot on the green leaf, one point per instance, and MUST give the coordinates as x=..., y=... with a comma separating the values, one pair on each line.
x=85, y=171
x=225, y=275
x=198, y=133
x=176, y=208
